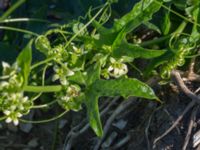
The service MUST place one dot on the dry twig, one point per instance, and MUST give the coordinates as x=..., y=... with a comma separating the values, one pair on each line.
x=83, y=126
x=124, y=105
x=195, y=99
x=121, y=142
x=191, y=124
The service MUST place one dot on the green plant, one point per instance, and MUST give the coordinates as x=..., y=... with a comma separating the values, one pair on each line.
x=89, y=60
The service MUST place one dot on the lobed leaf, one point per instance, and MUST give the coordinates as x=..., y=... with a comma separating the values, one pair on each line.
x=123, y=87
x=119, y=87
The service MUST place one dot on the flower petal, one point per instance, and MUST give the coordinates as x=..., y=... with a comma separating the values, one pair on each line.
x=5, y=65
x=8, y=120
x=16, y=121
x=6, y=112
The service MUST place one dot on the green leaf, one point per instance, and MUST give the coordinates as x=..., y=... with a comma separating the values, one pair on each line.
x=119, y=39
x=141, y=12
x=158, y=61
x=123, y=87
x=121, y=47
x=78, y=78
x=119, y=87
x=152, y=26
x=93, y=112
x=24, y=62
x=135, y=51
x=196, y=30
x=93, y=73
x=166, y=25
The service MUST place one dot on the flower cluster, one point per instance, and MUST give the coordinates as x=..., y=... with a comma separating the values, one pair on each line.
x=13, y=102
x=115, y=69
x=68, y=99
x=62, y=73
x=59, y=53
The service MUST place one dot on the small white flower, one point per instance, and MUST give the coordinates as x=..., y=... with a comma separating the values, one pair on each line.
x=73, y=91
x=13, y=118
x=8, y=70
x=62, y=73
x=117, y=68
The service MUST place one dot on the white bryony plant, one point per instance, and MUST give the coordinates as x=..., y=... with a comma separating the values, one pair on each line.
x=12, y=100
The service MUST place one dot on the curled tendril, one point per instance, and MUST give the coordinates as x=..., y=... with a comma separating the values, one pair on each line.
x=181, y=47
x=175, y=42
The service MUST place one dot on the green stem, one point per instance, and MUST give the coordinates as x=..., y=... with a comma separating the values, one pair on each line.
x=163, y=38
x=179, y=15
x=12, y=8
x=18, y=30
x=44, y=121
x=137, y=69
x=43, y=105
x=85, y=26
x=155, y=41
x=181, y=28
x=41, y=62
x=192, y=56
x=23, y=20
x=46, y=89
x=43, y=82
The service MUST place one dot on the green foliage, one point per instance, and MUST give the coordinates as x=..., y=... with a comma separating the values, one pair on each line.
x=136, y=51
x=89, y=58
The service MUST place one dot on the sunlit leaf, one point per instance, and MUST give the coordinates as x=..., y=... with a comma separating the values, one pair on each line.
x=119, y=87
